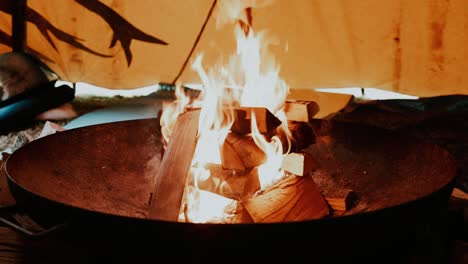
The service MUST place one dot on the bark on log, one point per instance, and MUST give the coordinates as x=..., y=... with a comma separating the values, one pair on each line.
x=172, y=175
x=291, y=199
x=300, y=111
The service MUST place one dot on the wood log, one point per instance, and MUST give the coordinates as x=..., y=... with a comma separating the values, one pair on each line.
x=340, y=200
x=245, y=148
x=251, y=186
x=300, y=111
x=241, y=216
x=330, y=103
x=230, y=158
x=302, y=135
x=228, y=183
x=172, y=175
x=266, y=121
x=202, y=206
x=298, y=163
x=293, y=198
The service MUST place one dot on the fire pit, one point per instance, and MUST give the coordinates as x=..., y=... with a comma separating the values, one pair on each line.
x=248, y=166
x=106, y=173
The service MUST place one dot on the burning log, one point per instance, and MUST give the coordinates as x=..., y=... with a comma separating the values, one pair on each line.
x=251, y=186
x=266, y=121
x=298, y=163
x=228, y=183
x=340, y=200
x=302, y=135
x=244, y=148
x=206, y=207
x=301, y=111
x=172, y=175
x=230, y=158
x=293, y=198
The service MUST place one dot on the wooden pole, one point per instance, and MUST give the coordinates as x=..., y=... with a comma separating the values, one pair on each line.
x=172, y=175
x=18, y=21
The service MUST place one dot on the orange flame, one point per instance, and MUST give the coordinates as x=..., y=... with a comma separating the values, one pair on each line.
x=250, y=79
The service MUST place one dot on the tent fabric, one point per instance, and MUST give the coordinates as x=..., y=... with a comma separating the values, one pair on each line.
x=416, y=47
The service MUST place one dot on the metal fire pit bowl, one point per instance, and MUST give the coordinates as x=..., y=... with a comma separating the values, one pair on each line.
x=105, y=173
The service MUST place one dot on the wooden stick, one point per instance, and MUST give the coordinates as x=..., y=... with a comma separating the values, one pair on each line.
x=247, y=151
x=340, y=200
x=291, y=199
x=172, y=175
x=301, y=111
x=266, y=121
x=298, y=163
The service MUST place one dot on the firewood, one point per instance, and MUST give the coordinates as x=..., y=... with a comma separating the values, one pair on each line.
x=217, y=170
x=340, y=200
x=247, y=151
x=298, y=163
x=207, y=207
x=251, y=185
x=293, y=198
x=266, y=121
x=301, y=111
x=302, y=135
x=172, y=175
x=228, y=183
x=230, y=158
x=241, y=216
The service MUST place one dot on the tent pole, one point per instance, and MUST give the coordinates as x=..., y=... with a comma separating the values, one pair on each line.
x=19, y=25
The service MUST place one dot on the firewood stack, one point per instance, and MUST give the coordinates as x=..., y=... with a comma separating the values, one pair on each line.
x=294, y=197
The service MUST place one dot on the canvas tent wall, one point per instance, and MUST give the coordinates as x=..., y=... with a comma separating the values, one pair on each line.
x=416, y=47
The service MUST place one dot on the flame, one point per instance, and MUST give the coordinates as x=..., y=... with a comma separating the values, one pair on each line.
x=270, y=171
x=249, y=79
x=171, y=111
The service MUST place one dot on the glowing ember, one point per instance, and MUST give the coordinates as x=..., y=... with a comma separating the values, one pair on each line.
x=249, y=79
